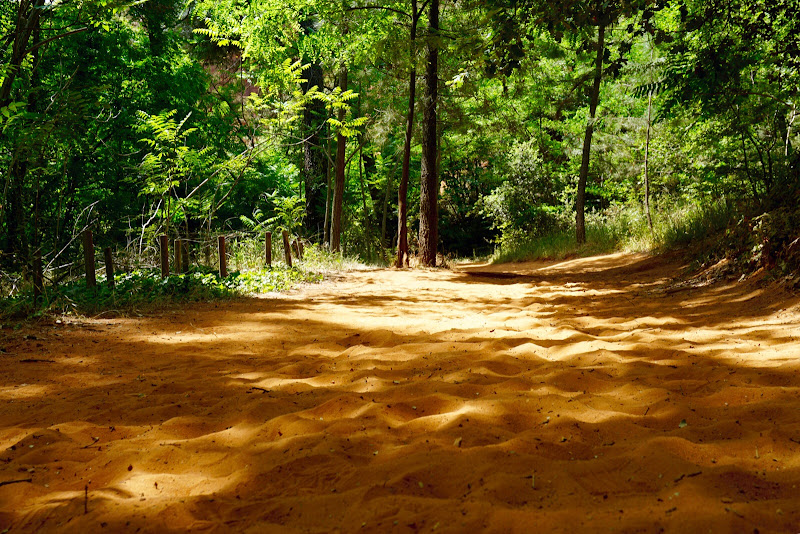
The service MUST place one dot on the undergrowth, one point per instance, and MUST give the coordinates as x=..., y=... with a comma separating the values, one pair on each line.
x=144, y=289
x=317, y=259
x=768, y=242
x=747, y=240
x=622, y=228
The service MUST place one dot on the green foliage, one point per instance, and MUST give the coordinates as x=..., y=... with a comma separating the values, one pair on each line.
x=738, y=68
x=624, y=227
x=289, y=212
x=554, y=246
x=526, y=203
x=136, y=118
x=169, y=162
x=265, y=281
x=143, y=290
x=337, y=100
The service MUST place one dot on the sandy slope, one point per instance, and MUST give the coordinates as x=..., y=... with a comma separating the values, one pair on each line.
x=576, y=396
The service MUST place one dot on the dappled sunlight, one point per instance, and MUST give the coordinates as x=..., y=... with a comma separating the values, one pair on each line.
x=168, y=486
x=23, y=392
x=480, y=400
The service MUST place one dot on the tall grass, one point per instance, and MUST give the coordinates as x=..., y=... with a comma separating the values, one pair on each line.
x=673, y=224
x=318, y=259
x=623, y=228
x=247, y=253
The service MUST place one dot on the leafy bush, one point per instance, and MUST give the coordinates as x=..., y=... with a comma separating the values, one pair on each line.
x=525, y=205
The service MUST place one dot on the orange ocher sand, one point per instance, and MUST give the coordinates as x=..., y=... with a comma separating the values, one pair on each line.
x=583, y=396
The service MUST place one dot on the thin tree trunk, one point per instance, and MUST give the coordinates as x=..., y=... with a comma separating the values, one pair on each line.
x=314, y=159
x=169, y=214
x=429, y=179
x=367, y=225
x=760, y=154
x=326, y=238
x=339, y=178
x=402, y=190
x=787, y=151
x=646, y=160
x=750, y=180
x=37, y=231
x=580, y=200
x=385, y=212
x=747, y=166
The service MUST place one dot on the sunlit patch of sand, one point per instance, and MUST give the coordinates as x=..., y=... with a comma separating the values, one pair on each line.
x=23, y=391
x=169, y=486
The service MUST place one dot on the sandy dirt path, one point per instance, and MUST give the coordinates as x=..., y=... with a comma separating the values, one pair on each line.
x=581, y=396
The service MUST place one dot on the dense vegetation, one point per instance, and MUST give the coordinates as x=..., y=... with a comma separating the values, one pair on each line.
x=372, y=128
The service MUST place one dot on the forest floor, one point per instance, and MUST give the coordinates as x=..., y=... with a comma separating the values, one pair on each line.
x=592, y=395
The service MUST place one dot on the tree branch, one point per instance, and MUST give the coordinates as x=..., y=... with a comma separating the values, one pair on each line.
x=51, y=39
x=383, y=8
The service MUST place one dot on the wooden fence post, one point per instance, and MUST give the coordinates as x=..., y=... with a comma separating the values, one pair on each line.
x=268, y=248
x=297, y=249
x=109, y=266
x=223, y=262
x=287, y=249
x=38, y=278
x=164, y=243
x=302, y=248
x=88, y=256
x=176, y=249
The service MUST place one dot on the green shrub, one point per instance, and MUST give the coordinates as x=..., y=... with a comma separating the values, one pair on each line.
x=525, y=204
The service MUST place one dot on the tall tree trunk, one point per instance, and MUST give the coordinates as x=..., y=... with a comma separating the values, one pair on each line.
x=339, y=178
x=429, y=179
x=385, y=211
x=580, y=200
x=402, y=190
x=366, y=167
x=646, y=161
x=364, y=207
x=315, y=162
x=326, y=236
x=157, y=16
x=787, y=146
x=750, y=180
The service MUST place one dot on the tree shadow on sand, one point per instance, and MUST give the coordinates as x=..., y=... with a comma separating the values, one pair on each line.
x=569, y=395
